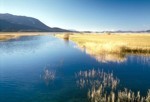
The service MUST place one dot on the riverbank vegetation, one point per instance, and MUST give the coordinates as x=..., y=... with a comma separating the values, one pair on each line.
x=7, y=36
x=112, y=43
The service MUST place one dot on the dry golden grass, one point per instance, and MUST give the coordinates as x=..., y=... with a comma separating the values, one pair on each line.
x=113, y=43
x=14, y=35
x=7, y=37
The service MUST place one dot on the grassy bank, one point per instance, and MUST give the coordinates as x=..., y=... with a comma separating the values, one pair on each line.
x=112, y=43
x=6, y=36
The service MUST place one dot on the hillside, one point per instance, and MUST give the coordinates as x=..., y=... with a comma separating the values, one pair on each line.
x=13, y=23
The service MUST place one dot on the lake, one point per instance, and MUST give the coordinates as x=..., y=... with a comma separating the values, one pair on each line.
x=26, y=62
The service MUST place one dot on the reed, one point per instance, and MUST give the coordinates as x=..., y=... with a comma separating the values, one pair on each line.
x=102, y=95
x=103, y=88
x=48, y=75
x=96, y=78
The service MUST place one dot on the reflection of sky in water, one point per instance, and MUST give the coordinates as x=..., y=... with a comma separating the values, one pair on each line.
x=23, y=60
x=22, y=45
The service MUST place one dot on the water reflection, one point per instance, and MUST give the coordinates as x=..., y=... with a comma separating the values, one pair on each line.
x=116, y=57
x=143, y=59
x=24, y=44
x=106, y=58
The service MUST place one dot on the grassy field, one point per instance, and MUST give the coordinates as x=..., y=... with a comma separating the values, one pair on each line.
x=6, y=36
x=112, y=43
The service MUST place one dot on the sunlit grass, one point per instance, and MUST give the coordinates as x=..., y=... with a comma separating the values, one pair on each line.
x=112, y=43
x=15, y=35
x=7, y=37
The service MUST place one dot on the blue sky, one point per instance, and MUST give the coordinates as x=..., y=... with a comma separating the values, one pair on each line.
x=89, y=15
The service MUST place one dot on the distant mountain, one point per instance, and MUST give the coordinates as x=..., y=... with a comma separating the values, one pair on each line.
x=119, y=31
x=13, y=23
x=148, y=31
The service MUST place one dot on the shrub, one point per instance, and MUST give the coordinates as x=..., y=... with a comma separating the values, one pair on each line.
x=66, y=36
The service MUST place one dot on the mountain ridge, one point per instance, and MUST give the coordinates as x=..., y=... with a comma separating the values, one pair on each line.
x=15, y=23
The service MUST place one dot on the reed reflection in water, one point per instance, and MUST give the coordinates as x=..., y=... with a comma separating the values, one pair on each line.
x=105, y=57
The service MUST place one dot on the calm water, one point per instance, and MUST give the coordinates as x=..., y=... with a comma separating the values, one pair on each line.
x=22, y=63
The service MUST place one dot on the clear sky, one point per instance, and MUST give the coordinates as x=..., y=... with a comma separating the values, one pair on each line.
x=89, y=15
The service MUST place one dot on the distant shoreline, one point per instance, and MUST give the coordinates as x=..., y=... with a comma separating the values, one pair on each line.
x=14, y=35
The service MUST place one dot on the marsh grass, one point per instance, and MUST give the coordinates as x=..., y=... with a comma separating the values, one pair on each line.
x=101, y=95
x=112, y=43
x=7, y=37
x=14, y=35
x=103, y=88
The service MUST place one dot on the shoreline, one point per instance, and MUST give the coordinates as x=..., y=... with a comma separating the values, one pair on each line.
x=95, y=44
x=4, y=36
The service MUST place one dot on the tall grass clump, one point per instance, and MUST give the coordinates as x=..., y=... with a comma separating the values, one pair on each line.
x=48, y=75
x=96, y=78
x=108, y=33
x=66, y=36
x=103, y=88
